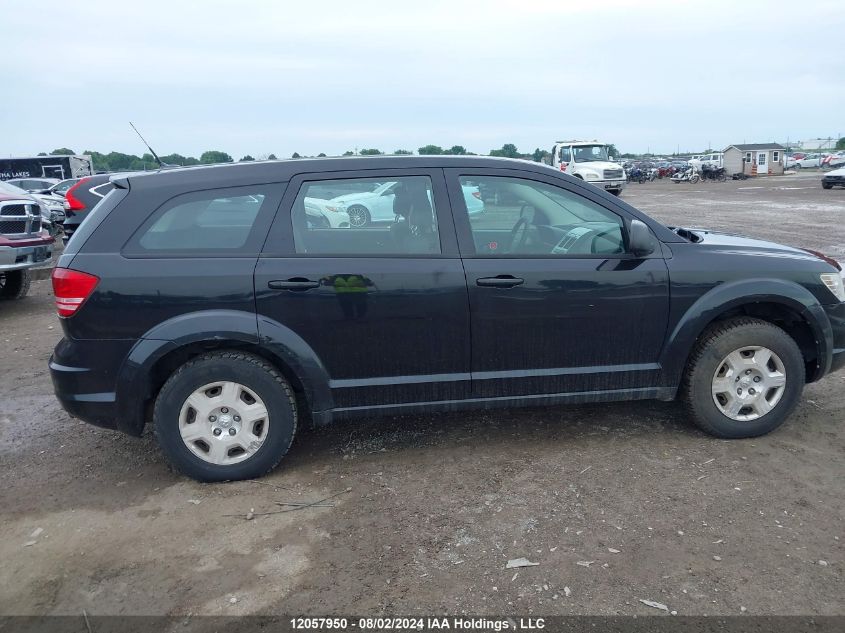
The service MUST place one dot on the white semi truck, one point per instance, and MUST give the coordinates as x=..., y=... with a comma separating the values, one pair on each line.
x=589, y=161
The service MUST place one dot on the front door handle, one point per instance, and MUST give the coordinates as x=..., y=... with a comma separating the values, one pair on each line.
x=297, y=283
x=501, y=281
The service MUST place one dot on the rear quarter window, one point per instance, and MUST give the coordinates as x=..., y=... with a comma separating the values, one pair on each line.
x=224, y=222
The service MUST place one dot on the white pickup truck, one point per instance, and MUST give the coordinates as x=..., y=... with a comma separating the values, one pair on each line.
x=589, y=160
x=716, y=159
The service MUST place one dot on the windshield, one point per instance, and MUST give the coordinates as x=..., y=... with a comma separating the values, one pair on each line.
x=590, y=153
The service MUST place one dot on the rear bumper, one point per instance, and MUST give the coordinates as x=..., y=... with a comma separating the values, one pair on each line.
x=84, y=374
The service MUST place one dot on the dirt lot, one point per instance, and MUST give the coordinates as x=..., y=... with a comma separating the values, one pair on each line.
x=616, y=503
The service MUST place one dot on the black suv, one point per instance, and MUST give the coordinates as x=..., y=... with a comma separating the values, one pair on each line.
x=226, y=304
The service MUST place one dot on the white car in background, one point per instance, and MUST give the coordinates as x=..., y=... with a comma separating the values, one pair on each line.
x=367, y=207
x=326, y=214
x=809, y=161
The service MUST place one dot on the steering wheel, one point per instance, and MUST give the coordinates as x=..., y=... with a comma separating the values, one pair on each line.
x=517, y=238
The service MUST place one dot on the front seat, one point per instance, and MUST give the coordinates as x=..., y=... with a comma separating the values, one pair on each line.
x=414, y=229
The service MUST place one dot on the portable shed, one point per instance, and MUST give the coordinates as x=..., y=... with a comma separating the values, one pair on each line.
x=755, y=159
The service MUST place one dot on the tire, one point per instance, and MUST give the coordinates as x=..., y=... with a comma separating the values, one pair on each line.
x=254, y=379
x=694, y=179
x=706, y=371
x=359, y=216
x=797, y=166
x=14, y=284
x=615, y=192
x=827, y=185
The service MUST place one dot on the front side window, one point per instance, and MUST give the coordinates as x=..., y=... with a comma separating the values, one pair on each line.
x=521, y=217
x=366, y=216
x=565, y=155
x=219, y=221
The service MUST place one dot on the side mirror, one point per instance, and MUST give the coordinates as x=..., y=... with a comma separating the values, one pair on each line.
x=640, y=240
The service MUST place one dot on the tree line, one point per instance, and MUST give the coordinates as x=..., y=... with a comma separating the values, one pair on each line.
x=118, y=161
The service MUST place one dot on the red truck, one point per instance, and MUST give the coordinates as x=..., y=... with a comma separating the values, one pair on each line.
x=23, y=243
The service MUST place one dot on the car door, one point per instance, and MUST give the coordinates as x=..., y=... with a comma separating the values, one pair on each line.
x=557, y=305
x=383, y=307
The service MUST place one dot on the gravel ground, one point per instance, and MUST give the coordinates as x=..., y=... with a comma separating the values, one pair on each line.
x=617, y=503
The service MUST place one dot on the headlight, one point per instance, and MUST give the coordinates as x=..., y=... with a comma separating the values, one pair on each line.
x=591, y=176
x=335, y=209
x=834, y=283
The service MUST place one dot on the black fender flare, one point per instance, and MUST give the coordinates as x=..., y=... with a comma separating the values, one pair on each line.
x=134, y=385
x=724, y=297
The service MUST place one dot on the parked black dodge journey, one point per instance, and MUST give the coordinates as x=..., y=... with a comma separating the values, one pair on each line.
x=228, y=304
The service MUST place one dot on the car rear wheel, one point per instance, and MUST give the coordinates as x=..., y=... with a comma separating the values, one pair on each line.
x=14, y=284
x=225, y=416
x=797, y=166
x=744, y=378
x=358, y=216
x=827, y=185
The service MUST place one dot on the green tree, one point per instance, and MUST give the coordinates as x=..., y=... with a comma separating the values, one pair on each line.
x=508, y=151
x=612, y=151
x=430, y=150
x=402, y=152
x=119, y=161
x=246, y=159
x=840, y=144
x=540, y=156
x=214, y=156
x=42, y=153
x=349, y=152
x=295, y=155
x=321, y=155
x=272, y=157
x=458, y=150
x=370, y=152
x=61, y=151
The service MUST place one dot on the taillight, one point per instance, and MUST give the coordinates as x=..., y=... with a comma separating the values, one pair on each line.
x=476, y=194
x=71, y=288
x=73, y=203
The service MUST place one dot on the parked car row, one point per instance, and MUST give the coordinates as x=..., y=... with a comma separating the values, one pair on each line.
x=800, y=160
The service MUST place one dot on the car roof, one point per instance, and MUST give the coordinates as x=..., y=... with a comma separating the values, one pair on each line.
x=232, y=174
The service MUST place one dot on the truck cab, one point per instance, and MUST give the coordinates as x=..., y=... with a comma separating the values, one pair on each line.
x=589, y=160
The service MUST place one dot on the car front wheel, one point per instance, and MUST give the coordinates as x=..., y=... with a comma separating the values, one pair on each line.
x=225, y=416
x=744, y=378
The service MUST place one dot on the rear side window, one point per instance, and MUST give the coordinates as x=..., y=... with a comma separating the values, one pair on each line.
x=215, y=222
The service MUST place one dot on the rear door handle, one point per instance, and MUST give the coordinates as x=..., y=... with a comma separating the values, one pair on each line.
x=501, y=281
x=297, y=283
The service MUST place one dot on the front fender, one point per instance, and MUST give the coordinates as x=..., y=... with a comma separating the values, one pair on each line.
x=731, y=295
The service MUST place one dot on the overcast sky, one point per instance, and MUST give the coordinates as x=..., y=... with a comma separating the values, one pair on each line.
x=327, y=76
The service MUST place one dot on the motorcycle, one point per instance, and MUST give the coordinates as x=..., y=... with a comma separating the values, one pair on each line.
x=709, y=172
x=689, y=175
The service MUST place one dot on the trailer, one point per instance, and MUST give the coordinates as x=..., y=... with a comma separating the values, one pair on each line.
x=61, y=166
